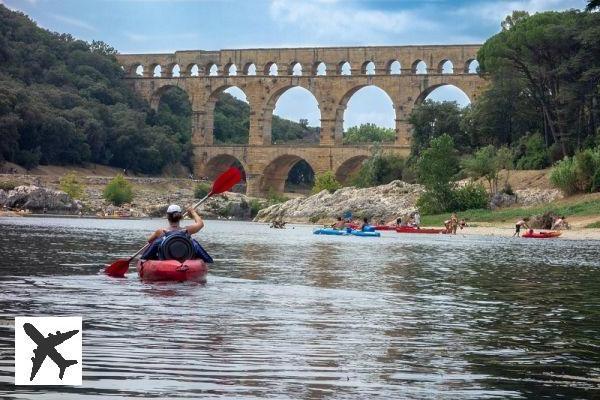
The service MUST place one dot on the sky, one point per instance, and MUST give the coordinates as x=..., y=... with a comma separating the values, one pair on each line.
x=157, y=26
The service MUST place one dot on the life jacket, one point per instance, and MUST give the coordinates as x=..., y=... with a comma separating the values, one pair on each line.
x=176, y=245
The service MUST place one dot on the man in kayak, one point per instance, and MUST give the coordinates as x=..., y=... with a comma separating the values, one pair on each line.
x=174, y=216
x=519, y=224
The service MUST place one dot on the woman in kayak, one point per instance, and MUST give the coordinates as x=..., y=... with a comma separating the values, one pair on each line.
x=174, y=216
x=519, y=224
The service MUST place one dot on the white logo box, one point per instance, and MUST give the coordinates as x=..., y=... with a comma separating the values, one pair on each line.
x=48, y=332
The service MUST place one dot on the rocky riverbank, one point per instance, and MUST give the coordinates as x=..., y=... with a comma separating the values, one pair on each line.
x=152, y=196
x=386, y=202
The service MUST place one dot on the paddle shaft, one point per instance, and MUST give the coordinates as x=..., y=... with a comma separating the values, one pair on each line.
x=184, y=214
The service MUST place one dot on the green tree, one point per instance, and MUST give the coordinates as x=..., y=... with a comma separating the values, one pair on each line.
x=437, y=166
x=369, y=133
x=72, y=186
x=118, y=191
x=592, y=5
x=379, y=169
x=487, y=162
x=532, y=153
x=547, y=52
x=433, y=119
x=326, y=181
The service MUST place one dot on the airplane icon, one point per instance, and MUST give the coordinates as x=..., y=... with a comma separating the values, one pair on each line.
x=46, y=347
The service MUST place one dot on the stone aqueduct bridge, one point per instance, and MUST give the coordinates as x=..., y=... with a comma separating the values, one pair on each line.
x=204, y=75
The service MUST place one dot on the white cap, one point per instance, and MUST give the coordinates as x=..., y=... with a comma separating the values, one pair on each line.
x=173, y=208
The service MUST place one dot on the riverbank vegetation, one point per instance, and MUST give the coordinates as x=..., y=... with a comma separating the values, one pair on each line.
x=572, y=208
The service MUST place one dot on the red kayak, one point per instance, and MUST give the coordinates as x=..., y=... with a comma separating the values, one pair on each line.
x=384, y=228
x=412, y=229
x=541, y=234
x=172, y=270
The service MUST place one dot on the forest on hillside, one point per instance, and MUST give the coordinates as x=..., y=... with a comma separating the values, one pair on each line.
x=63, y=101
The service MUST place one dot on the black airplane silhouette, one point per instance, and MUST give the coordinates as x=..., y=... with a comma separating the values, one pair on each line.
x=46, y=347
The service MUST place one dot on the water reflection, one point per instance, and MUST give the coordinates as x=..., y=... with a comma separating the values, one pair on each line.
x=287, y=314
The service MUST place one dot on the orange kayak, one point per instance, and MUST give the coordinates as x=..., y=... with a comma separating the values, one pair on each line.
x=172, y=270
x=541, y=234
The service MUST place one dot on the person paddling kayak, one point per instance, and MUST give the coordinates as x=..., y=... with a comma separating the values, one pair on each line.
x=174, y=216
x=160, y=236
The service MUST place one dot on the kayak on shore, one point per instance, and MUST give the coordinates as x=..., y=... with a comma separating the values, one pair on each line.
x=541, y=234
x=172, y=270
x=338, y=232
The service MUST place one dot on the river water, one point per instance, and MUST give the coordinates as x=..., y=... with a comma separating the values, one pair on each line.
x=287, y=314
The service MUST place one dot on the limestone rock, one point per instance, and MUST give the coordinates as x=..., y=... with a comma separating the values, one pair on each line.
x=500, y=200
x=534, y=196
x=37, y=199
x=381, y=202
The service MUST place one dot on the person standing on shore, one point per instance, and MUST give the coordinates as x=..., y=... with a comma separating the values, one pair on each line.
x=519, y=224
x=453, y=223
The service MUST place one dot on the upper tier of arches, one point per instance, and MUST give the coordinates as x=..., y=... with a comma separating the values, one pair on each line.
x=272, y=68
x=450, y=59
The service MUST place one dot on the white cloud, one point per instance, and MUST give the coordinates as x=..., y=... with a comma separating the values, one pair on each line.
x=78, y=23
x=339, y=21
x=496, y=11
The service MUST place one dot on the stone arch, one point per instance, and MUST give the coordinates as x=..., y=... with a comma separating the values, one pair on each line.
x=277, y=170
x=231, y=69
x=445, y=67
x=471, y=66
x=295, y=69
x=134, y=69
x=212, y=69
x=249, y=68
x=210, y=110
x=394, y=67
x=423, y=95
x=191, y=70
x=419, y=67
x=319, y=68
x=348, y=167
x=271, y=69
x=339, y=117
x=155, y=70
x=270, y=104
x=368, y=68
x=157, y=94
x=219, y=163
x=344, y=68
x=174, y=70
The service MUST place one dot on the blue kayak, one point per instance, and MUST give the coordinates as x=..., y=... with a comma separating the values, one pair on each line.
x=337, y=232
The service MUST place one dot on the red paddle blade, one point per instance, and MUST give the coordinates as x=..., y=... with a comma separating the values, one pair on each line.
x=118, y=268
x=226, y=180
